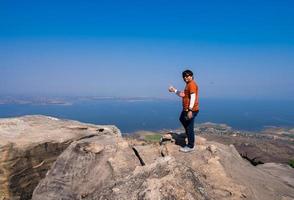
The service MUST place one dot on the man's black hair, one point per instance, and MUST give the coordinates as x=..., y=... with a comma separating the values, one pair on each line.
x=187, y=73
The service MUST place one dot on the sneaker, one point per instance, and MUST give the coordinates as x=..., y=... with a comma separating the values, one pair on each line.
x=187, y=149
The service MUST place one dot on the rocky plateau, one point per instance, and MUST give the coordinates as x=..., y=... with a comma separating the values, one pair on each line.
x=47, y=158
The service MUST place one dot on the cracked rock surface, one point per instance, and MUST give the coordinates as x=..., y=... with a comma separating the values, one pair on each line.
x=29, y=146
x=96, y=162
x=212, y=171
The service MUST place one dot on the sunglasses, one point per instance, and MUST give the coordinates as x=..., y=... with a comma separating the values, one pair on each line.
x=186, y=76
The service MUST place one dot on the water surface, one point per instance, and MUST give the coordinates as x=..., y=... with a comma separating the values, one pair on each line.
x=132, y=115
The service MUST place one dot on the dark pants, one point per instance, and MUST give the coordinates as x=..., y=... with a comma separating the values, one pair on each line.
x=189, y=127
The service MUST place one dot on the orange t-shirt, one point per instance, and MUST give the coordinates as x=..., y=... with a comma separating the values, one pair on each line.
x=190, y=88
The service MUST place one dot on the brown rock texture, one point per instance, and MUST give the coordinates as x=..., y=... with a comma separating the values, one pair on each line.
x=47, y=158
x=119, y=168
x=28, y=147
x=272, y=145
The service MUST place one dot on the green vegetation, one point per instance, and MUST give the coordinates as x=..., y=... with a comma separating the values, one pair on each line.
x=152, y=138
x=289, y=135
x=291, y=163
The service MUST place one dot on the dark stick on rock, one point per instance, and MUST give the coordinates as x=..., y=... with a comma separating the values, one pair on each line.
x=138, y=156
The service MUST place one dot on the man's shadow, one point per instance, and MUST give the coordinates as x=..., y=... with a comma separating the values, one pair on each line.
x=178, y=138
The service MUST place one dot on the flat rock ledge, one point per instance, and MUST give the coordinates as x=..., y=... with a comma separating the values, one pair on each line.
x=29, y=146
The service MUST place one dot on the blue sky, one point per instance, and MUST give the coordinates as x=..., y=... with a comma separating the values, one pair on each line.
x=237, y=49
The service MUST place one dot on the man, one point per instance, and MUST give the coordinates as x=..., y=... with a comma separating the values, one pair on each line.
x=190, y=108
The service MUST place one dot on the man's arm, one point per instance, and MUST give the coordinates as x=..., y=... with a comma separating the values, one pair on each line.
x=177, y=92
x=191, y=105
x=192, y=101
x=180, y=93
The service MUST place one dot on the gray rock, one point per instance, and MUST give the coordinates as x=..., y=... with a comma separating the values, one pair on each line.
x=29, y=145
x=86, y=161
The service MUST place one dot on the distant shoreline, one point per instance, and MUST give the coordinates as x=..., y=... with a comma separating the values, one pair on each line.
x=133, y=114
x=68, y=100
x=43, y=103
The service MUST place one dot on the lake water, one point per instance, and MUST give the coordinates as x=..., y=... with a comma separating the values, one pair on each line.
x=130, y=116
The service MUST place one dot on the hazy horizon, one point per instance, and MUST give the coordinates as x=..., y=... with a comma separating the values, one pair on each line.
x=132, y=115
x=171, y=97
x=138, y=49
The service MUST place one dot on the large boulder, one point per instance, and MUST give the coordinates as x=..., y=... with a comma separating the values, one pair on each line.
x=87, y=161
x=110, y=168
x=29, y=145
x=106, y=167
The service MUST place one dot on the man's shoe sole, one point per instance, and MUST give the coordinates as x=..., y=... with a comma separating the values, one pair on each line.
x=185, y=150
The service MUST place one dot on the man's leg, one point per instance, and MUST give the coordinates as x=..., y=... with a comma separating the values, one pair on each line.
x=183, y=120
x=190, y=129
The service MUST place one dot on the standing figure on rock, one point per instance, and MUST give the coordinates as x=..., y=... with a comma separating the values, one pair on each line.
x=190, y=108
